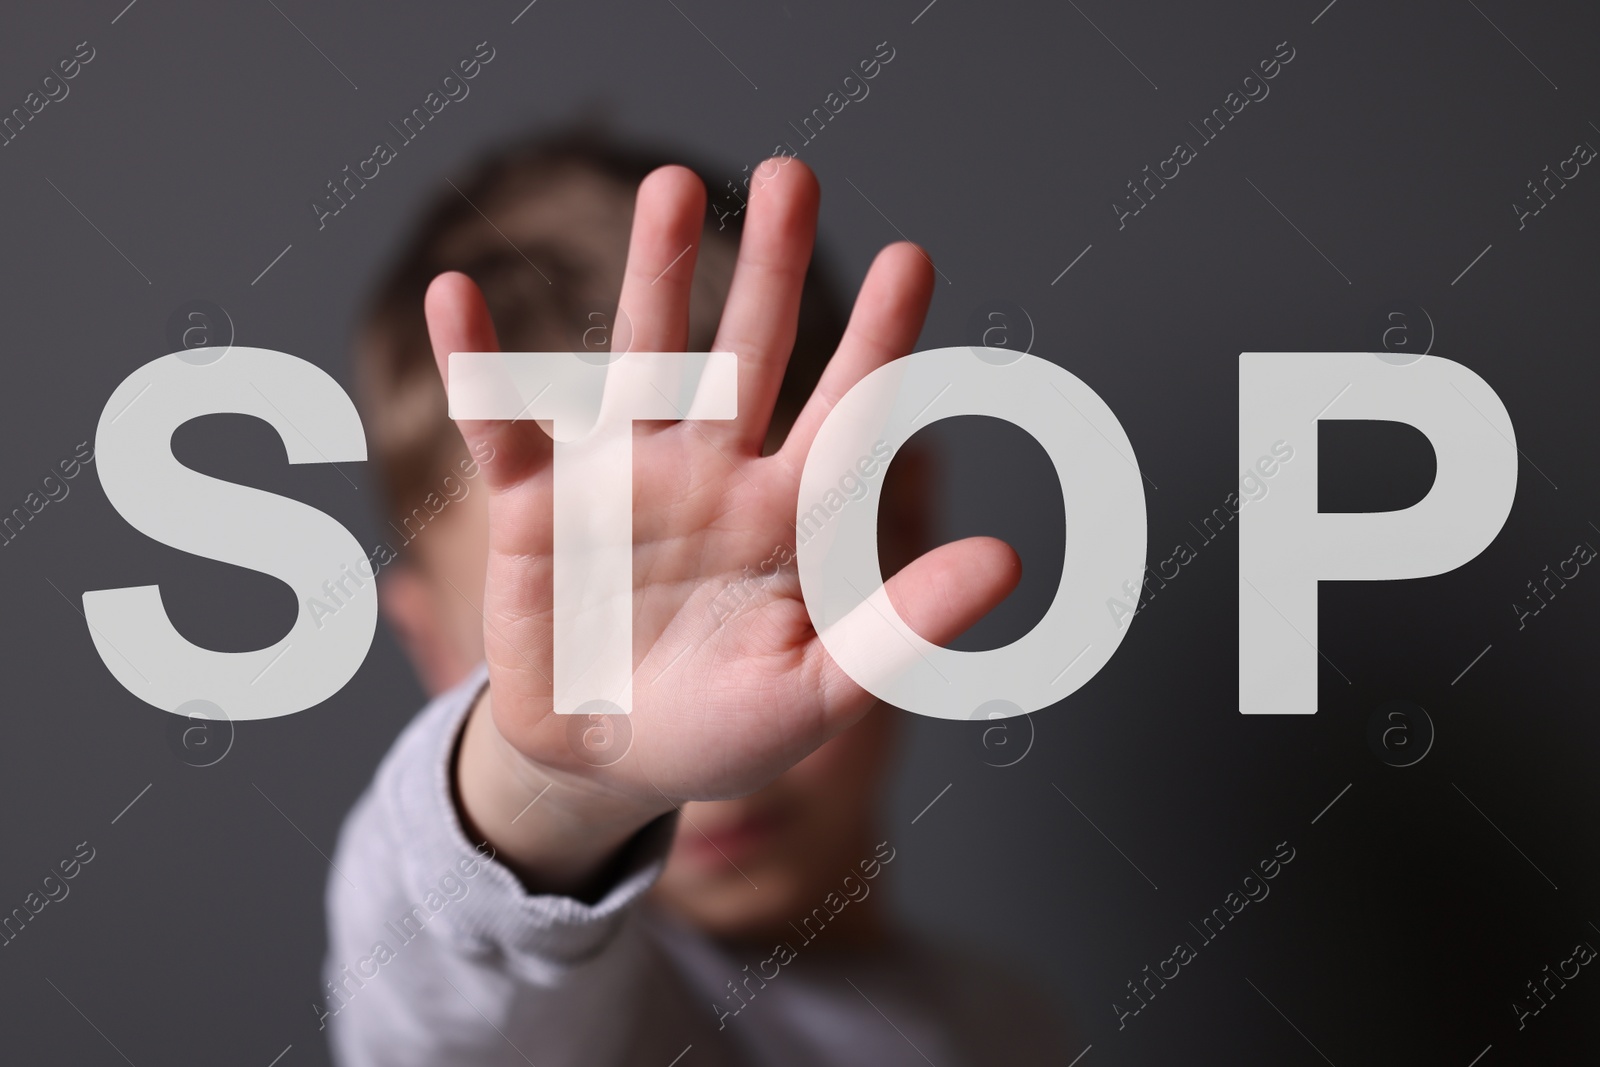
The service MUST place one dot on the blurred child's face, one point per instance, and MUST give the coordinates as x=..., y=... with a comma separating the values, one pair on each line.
x=738, y=868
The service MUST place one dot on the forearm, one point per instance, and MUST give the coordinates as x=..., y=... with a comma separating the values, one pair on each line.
x=428, y=936
x=488, y=976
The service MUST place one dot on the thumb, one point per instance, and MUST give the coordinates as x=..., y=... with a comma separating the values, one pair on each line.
x=939, y=596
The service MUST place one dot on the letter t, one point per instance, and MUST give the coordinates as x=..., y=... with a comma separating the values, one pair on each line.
x=591, y=401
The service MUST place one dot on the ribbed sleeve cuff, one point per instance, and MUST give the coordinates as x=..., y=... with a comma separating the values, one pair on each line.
x=470, y=898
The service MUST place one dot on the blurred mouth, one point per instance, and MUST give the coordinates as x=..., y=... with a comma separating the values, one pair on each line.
x=705, y=840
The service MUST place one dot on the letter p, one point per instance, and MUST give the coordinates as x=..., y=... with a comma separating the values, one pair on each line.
x=1286, y=546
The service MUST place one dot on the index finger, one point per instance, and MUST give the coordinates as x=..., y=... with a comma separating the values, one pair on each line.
x=459, y=321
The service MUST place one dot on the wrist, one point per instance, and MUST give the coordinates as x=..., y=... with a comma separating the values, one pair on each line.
x=556, y=830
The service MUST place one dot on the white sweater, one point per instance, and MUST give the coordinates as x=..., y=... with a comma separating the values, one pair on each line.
x=437, y=955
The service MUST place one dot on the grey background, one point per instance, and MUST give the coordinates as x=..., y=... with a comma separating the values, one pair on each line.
x=1395, y=142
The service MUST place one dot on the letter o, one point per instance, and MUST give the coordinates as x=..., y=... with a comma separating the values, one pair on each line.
x=842, y=580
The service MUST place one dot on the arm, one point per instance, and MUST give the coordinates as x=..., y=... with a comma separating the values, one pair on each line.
x=439, y=954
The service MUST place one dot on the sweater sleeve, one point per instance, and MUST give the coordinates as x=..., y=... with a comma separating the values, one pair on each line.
x=437, y=954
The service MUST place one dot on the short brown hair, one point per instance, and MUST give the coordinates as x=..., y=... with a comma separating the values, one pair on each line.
x=543, y=228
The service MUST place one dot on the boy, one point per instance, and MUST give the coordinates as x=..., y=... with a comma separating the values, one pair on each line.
x=489, y=903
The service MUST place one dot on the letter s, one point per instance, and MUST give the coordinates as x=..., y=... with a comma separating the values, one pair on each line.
x=236, y=524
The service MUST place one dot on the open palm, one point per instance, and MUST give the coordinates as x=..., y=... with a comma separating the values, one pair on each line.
x=722, y=703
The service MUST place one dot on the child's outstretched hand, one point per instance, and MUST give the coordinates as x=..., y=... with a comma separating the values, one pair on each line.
x=721, y=706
